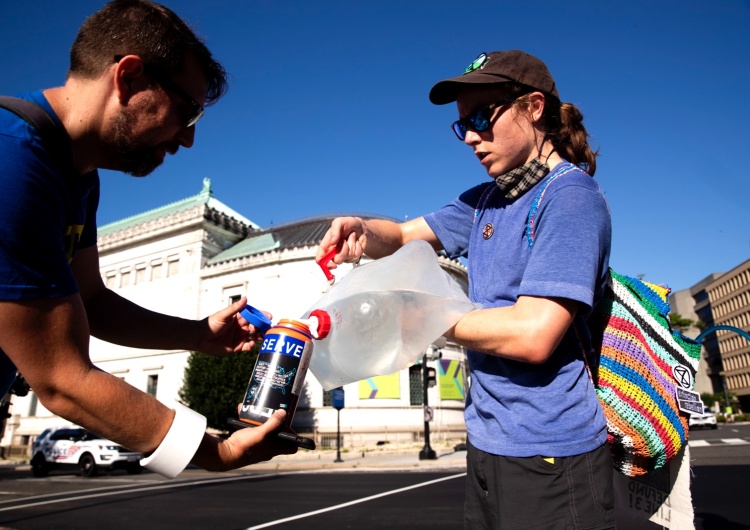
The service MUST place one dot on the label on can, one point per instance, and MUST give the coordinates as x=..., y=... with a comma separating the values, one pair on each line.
x=278, y=375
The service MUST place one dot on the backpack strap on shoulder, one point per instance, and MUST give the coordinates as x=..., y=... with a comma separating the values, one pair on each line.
x=530, y=223
x=39, y=119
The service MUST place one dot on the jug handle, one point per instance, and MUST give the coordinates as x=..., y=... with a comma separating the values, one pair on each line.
x=323, y=264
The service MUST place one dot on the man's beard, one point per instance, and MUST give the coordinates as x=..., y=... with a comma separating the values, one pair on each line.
x=132, y=158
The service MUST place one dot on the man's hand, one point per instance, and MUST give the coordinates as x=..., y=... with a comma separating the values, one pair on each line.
x=245, y=447
x=227, y=332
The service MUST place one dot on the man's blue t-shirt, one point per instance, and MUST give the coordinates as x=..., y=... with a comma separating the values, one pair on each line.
x=515, y=408
x=46, y=213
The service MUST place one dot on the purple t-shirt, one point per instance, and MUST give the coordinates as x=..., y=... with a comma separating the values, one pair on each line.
x=515, y=408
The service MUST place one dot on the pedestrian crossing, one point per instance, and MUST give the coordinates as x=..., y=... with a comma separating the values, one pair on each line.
x=718, y=441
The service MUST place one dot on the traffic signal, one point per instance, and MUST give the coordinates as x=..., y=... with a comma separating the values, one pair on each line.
x=433, y=353
x=431, y=377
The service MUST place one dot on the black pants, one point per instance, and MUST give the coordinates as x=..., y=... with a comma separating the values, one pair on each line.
x=573, y=492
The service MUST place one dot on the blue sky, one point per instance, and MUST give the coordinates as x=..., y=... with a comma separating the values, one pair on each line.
x=328, y=111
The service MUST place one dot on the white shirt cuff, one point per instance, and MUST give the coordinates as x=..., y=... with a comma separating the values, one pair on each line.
x=179, y=445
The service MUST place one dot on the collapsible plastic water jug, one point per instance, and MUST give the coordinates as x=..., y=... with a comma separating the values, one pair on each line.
x=384, y=314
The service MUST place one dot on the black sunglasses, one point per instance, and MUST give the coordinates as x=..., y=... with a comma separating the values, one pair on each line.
x=196, y=110
x=479, y=120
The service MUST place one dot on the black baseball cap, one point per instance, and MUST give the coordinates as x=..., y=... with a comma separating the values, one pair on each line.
x=510, y=66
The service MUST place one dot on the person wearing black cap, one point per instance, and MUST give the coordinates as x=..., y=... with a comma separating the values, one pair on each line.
x=537, y=440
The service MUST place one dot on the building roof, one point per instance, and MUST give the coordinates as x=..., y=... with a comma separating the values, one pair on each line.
x=305, y=232
x=215, y=211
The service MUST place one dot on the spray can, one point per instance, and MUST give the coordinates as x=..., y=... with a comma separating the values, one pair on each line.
x=279, y=374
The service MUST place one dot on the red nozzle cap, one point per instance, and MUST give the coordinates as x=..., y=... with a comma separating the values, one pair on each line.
x=324, y=323
x=323, y=264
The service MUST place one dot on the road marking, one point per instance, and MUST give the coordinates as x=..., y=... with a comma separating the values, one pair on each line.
x=717, y=442
x=352, y=503
x=160, y=486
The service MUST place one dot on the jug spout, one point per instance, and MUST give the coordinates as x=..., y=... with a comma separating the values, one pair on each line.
x=319, y=322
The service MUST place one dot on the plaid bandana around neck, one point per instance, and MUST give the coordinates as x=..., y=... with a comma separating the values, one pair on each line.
x=518, y=181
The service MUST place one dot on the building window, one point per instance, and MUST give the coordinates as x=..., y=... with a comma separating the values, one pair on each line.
x=111, y=280
x=140, y=274
x=173, y=267
x=416, y=385
x=232, y=293
x=124, y=278
x=157, y=270
x=327, y=398
x=153, y=382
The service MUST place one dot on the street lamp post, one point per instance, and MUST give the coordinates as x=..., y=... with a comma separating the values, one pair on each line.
x=337, y=396
x=338, y=436
x=426, y=453
x=724, y=385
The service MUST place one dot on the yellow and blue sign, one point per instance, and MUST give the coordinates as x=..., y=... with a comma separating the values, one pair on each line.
x=451, y=379
x=381, y=387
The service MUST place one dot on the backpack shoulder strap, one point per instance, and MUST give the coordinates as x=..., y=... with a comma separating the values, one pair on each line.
x=530, y=223
x=38, y=118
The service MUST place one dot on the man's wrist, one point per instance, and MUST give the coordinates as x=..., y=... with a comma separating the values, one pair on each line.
x=179, y=445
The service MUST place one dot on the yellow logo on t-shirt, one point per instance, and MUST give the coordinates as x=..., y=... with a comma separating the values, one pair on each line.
x=71, y=237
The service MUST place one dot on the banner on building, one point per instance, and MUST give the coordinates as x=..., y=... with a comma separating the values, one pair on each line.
x=451, y=379
x=381, y=387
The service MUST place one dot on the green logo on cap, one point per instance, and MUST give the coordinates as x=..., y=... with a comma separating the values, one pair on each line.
x=477, y=63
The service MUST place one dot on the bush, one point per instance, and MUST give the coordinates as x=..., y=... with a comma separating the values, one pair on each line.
x=215, y=384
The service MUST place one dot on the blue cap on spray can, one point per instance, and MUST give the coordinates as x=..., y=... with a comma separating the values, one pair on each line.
x=261, y=322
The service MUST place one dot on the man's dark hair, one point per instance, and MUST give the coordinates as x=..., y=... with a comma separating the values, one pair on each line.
x=146, y=29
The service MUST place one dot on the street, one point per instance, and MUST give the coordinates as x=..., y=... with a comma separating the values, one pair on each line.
x=406, y=497
x=720, y=469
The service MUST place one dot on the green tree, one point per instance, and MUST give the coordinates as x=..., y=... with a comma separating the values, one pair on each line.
x=680, y=323
x=215, y=384
x=709, y=399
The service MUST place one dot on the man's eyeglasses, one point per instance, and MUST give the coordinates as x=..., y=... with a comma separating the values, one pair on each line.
x=479, y=120
x=196, y=111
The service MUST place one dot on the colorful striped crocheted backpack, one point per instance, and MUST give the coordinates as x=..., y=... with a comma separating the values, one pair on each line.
x=645, y=377
x=645, y=374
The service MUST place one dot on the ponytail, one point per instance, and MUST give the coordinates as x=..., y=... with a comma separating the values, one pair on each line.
x=569, y=138
x=562, y=124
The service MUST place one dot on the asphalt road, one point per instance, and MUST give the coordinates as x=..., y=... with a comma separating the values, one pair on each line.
x=310, y=491
x=316, y=499
x=720, y=463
